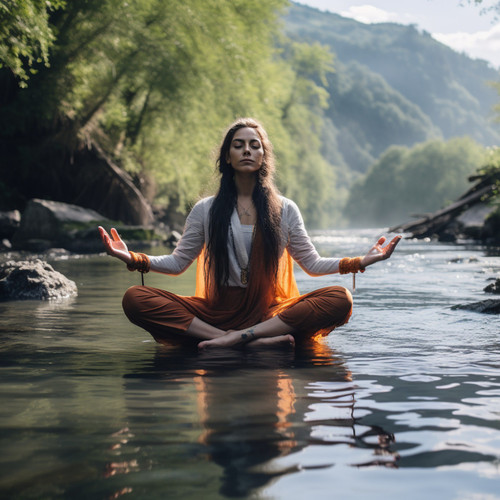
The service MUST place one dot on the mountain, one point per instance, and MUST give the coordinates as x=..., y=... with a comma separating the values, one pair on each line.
x=394, y=84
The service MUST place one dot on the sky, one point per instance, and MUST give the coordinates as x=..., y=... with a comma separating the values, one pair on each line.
x=457, y=23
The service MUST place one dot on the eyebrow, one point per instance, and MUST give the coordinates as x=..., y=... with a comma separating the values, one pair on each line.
x=251, y=140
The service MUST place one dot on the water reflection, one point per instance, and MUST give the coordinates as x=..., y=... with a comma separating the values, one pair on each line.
x=247, y=412
x=90, y=407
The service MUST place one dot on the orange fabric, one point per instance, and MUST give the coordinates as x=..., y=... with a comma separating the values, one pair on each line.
x=262, y=298
x=261, y=292
x=166, y=315
x=316, y=313
x=286, y=286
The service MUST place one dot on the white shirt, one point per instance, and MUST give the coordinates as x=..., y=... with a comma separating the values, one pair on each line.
x=294, y=238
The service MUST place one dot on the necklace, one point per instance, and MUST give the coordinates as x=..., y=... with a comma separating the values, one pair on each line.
x=244, y=211
x=244, y=269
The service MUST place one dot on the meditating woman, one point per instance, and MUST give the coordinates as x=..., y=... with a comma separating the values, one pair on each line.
x=244, y=238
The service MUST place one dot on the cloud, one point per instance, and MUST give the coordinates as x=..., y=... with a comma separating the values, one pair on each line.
x=369, y=14
x=481, y=45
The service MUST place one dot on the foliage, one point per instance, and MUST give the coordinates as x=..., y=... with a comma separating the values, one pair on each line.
x=395, y=85
x=493, y=7
x=490, y=169
x=405, y=182
x=305, y=175
x=25, y=35
x=154, y=82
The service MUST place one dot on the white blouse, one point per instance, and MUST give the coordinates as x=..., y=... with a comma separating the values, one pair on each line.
x=294, y=238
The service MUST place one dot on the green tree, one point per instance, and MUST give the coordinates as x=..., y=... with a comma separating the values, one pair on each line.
x=152, y=83
x=406, y=182
x=25, y=35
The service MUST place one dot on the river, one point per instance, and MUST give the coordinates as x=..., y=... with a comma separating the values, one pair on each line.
x=403, y=401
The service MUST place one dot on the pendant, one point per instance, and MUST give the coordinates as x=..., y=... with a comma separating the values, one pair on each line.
x=244, y=276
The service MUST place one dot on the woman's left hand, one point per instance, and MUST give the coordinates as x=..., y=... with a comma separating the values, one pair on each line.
x=377, y=252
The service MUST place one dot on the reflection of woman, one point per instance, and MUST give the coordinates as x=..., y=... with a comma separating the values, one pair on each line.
x=305, y=403
x=244, y=239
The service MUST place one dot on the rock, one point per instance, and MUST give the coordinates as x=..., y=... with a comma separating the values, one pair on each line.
x=33, y=280
x=489, y=306
x=5, y=245
x=9, y=223
x=46, y=224
x=173, y=239
x=98, y=183
x=493, y=287
x=461, y=260
x=470, y=223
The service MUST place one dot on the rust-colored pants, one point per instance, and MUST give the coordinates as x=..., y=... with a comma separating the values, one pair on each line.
x=166, y=316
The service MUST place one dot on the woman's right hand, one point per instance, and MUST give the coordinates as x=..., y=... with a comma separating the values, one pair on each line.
x=115, y=246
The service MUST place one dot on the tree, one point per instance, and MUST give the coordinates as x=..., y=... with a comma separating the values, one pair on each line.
x=406, y=182
x=25, y=35
x=151, y=84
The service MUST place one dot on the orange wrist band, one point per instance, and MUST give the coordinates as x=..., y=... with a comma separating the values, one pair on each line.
x=140, y=262
x=350, y=265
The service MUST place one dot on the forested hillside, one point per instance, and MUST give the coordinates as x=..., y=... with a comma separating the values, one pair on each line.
x=394, y=84
x=105, y=100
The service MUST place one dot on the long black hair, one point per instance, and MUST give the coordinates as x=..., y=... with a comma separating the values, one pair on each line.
x=265, y=197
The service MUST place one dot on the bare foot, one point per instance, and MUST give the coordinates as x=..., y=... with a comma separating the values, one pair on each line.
x=283, y=341
x=230, y=339
x=234, y=339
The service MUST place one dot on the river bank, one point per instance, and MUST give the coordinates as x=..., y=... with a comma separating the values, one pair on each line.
x=50, y=230
x=45, y=225
x=473, y=216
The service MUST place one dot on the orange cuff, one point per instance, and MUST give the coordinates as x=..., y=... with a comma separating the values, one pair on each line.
x=140, y=262
x=351, y=265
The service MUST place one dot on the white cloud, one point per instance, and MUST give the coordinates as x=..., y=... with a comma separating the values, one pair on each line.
x=369, y=14
x=481, y=45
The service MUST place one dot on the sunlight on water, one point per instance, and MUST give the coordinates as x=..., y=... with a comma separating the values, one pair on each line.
x=404, y=400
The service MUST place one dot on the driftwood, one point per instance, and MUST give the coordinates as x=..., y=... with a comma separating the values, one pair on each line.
x=438, y=222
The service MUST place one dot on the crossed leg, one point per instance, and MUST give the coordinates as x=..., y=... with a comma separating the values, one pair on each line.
x=170, y=317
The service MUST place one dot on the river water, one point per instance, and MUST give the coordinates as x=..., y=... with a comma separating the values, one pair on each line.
x=403, y=401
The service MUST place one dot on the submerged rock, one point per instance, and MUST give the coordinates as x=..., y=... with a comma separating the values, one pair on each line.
x=9, y=223
x=489, y=306
x=5, y=244
x=493, y=287
x=33, y=280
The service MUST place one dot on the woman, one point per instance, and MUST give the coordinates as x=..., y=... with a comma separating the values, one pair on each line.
x=244, y=239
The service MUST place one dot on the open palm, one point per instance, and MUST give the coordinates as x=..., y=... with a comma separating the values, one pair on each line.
x=115, y=246
x=378, y=252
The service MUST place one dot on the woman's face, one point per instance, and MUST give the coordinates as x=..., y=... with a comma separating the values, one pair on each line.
x=246, y=152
